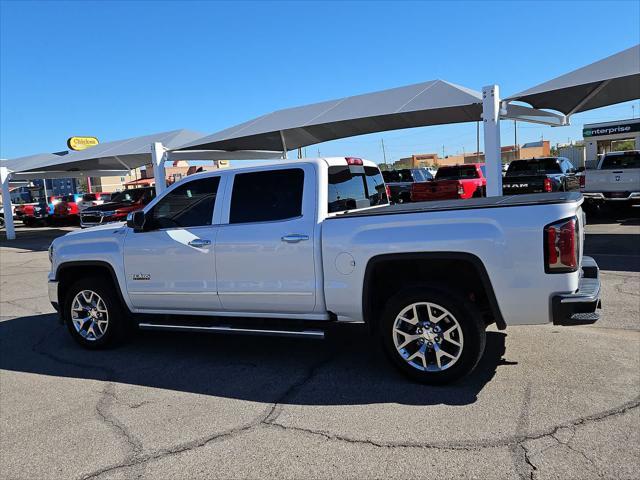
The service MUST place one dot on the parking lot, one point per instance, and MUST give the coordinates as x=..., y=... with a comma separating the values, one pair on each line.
x=545, y=402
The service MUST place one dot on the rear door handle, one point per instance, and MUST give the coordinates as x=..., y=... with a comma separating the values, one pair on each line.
x=200, y=243
x=295, y=238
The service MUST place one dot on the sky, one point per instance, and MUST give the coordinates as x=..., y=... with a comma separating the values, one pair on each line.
x=118, y=69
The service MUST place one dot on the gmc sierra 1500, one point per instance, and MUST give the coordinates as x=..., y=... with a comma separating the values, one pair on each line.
x=313, y=241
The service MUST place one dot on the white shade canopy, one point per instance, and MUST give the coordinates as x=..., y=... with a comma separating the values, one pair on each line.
x=429, y=103
x=612, y=80
x=117, y=155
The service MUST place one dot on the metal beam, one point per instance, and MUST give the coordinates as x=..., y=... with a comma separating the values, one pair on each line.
x=5, y=175
x=532, y=115
x=32, y=175
x=221, y=155
x=492, y=154
x=595, y=92
x=284, y=145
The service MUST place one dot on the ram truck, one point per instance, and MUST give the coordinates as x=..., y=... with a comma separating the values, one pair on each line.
x=294, y=247
x=616, y=181
x=452, y=182
x=538, y=175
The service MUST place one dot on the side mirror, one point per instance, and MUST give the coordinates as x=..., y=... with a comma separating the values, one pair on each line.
x=135, y=220
x=581, y=169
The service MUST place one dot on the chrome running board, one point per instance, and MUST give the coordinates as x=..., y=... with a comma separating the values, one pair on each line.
x=315, y=334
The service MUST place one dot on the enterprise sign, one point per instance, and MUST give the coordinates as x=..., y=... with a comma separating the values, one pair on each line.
x=611, y=130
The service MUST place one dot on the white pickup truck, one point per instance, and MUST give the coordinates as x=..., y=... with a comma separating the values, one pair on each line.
x=615, y=181
x=289, y=247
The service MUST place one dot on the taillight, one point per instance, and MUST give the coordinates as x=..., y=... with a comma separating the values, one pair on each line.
x=547, y=184
x=562, y=246
x=353, y=161
x=387, y=190
x=460, y=190
x=583, y=181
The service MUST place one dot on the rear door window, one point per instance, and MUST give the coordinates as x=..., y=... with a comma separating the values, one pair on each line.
x=267, y=196
x=355, y=186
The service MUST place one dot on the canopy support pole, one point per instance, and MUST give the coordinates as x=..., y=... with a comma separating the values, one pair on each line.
x=6, y=204
x=284, y=145
x=158, y=157
x=492, y=154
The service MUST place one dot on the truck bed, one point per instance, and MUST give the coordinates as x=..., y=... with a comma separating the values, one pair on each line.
x=468, y=204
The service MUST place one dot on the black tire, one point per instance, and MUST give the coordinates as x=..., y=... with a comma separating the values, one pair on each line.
x=116, y=328
x=464, y=312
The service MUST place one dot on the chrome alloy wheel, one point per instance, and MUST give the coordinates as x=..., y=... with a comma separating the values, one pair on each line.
x=428, y=337
x=89, y=315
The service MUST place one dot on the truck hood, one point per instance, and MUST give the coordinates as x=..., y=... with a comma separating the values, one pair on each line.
x=109, y=206
x=98, y=231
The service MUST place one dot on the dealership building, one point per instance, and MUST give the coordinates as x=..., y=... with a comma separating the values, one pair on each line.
x=606, y=137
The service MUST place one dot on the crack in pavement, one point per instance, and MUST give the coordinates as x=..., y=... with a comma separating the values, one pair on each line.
x=473, y=445
x=268, y=419
x=271, y=412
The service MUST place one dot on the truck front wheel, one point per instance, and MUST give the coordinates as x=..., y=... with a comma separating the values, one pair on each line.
x=93, y=313
x=433, y=335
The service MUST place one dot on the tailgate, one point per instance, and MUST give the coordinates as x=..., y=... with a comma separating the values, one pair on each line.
x=612, y=180
x=441, y=189
x=523, y=184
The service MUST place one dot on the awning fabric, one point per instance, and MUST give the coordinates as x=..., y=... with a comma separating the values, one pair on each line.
x=117, y=155
x=428, y=103
x=612, y=80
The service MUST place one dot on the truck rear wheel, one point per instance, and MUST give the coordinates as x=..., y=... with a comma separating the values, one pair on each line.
x=432, y=334
x=93, y=313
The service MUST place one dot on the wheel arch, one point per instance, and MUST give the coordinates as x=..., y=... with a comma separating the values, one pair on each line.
x=381, y=265
x=67, y=273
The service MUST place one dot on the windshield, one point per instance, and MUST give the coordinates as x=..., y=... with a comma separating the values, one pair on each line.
x=352, y=187
x=626, y=160
x=534, y=166
x=129, y=196
x=457, y=172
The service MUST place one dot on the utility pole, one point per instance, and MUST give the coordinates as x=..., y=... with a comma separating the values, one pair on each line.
x=299, y=152
x=515, y=140
x=442, y=151
x=477, y=142
x=318, y=153
x=384, y=153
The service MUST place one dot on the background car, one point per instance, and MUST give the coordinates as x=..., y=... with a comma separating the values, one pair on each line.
x=37, y=214
x=117, y=209
x=537, y=175
x=400, y=181
x=93, y=199
x=454, y=181
x=67, y=210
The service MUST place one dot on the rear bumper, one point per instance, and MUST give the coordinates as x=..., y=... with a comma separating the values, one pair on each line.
x=579, y=308
x=606, y=197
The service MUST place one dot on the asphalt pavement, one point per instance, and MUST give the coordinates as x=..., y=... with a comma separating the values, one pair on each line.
x=545, y=401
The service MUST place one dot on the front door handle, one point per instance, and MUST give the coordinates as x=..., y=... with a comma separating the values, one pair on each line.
x=295, y=238
x=200, y=243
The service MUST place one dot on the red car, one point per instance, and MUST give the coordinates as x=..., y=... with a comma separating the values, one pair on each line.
x=33, y=214
x=117, y=209
x=67, y=208
x=452, y=182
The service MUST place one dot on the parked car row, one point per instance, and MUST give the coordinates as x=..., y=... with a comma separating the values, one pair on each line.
x=534, y=175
